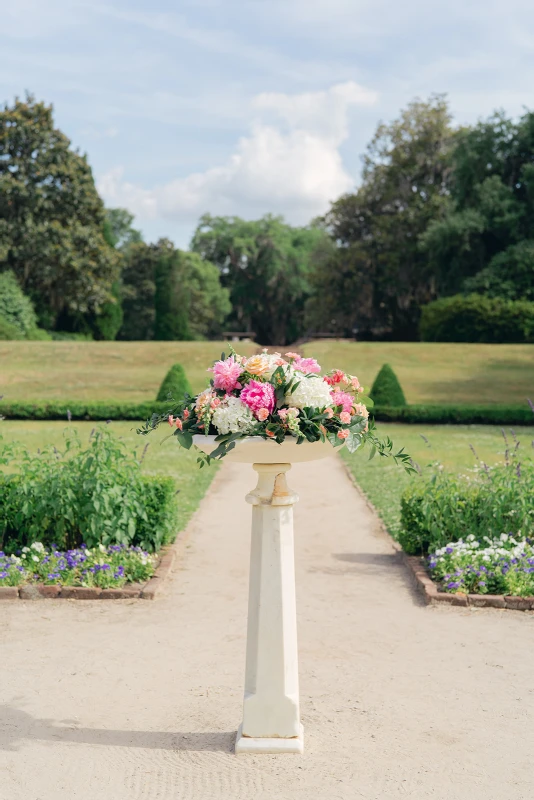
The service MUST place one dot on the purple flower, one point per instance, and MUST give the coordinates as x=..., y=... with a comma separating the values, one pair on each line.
x=453, y=585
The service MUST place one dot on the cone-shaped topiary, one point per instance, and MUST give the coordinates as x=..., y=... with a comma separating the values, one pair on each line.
x=387, y=390
x=175, y=385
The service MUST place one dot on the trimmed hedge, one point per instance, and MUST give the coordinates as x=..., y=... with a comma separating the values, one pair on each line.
x=174, y=385
x=139, y=412
x=455, y=415
x=99, y=411
x=477, y=318
x=387, y=390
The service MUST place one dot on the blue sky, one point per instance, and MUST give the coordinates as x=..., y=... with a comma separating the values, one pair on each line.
x=252, y=106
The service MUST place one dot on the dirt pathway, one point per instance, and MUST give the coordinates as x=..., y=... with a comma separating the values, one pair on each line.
x=135, y=700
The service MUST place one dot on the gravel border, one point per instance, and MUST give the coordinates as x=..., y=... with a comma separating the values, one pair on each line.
x=424, y=584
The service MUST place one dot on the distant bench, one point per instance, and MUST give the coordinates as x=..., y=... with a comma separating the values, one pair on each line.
x=237, y=336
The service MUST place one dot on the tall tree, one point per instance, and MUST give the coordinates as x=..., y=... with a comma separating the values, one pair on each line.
x=169, y=294
x=378, y=277
x=119, y=230
x=51, y=217
x=485, y=242
x=266, y=265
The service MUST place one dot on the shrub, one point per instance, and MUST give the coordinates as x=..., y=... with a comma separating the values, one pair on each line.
x=477, y=318
x=386, y=390
x=455, y=414
x=93, y=495
x=8, y=331
x=15, y=307
x=448, y=508
x=174, y=386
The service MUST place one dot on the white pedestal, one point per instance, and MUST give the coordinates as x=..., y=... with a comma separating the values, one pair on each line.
x=271, y=715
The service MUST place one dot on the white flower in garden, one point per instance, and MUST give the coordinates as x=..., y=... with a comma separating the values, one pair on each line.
x=233, y=416
x=312, y=391
x=35, y=558
x=38, y=546
x=101, y=548
x=25, y=549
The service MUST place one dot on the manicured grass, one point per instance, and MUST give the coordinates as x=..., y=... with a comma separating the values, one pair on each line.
x=163, y=456
x=383, y=482
x=91, y=371
x=438, y=373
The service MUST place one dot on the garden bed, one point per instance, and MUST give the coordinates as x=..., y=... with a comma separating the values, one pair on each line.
x=146, y=590
x=432, y=594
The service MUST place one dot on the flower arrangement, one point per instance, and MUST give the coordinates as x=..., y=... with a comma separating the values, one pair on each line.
x=107, y=567
x=273, y=397
x=499, y=565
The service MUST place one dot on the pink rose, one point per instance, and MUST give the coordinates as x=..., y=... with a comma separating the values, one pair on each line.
x=171, y=420
x=342, y=434
x=344, y=417
x=262, y=414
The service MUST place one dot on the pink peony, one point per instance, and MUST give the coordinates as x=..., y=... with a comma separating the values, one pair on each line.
x=226, y=373
x=342, y=434
x=293, y=355
x=258, y=395
x=345, y=417
x=262, y=414
x=343, y=399
x=306, y=365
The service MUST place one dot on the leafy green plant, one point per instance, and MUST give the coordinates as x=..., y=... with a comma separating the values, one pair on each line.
x=477, y=318
x=8, y=331
x=386, y=389
x=488, y=502
x=93, y=495
x=174, y=386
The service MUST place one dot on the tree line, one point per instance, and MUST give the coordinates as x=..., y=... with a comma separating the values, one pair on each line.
x=439, y=211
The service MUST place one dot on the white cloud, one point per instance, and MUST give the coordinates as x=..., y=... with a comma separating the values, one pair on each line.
x=293, y=168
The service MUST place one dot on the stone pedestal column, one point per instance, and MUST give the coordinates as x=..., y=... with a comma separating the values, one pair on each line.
x=271, y=717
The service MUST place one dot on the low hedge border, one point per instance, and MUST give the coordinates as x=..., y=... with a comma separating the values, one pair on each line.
x=424, y=584
x=456, y=415
x=137, y=412
x=133, y=591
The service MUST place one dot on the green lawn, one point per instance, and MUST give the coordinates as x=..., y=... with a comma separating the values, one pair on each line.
x=438, y=373
x=133, y=371
x=163, y=456
x=91, y=371
x=383, y=482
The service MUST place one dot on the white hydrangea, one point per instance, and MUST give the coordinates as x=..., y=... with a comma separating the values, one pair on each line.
x=312, y=391
x=233, y=416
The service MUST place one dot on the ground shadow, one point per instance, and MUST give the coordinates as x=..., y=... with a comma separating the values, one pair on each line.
x=386, y=564
x=17, y=726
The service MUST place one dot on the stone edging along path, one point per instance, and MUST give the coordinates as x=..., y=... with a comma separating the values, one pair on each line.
x=144, y=591
x=429, y=589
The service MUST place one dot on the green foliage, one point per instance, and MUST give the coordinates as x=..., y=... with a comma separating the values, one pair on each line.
x=93, y=495
x=76, y=410
x=386, y=389
x=118, y=229
x=174, y=386
x=477, y=318
x=377, y=278
x=454, y=414
x=15, y=307
x=266, y=265
x=447, y=508
x=484, y=241
x=51, y=217
x=8, y=330
x=138, y=292
x=108, y=321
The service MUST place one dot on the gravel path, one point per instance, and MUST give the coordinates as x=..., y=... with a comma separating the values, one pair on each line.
x=132, y=700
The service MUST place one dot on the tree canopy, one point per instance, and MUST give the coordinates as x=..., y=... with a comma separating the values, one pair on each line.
x=266, y=265
x=51, y=217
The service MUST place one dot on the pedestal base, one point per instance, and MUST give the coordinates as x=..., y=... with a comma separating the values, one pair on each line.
x=250, y=744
